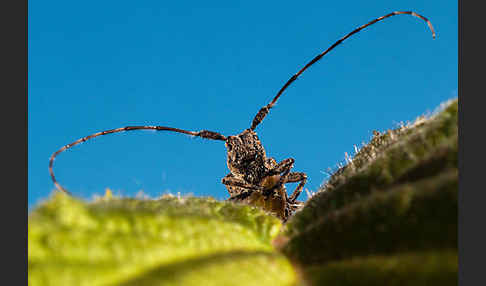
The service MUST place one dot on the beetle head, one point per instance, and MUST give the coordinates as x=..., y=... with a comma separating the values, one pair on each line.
x=245, y=153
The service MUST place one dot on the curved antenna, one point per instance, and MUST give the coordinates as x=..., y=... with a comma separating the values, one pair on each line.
x=203, y=133
x=264, y=110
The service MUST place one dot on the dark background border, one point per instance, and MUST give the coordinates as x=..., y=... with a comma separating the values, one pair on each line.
x=13, y=126
x=472, y=202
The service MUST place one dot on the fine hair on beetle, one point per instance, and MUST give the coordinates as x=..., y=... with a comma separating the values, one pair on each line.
x=254, y=178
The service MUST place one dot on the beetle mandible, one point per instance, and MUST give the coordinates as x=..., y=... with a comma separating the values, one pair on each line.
x=254, y=178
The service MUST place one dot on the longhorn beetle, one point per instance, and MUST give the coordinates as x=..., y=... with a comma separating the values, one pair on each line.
x=254, y=178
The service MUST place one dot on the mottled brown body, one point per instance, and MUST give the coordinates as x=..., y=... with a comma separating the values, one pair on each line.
x=258, y=180
x=253, y=178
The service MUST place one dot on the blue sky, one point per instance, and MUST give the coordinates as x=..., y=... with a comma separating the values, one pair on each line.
x=97, y=65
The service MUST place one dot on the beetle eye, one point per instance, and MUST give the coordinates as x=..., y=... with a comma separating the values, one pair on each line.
x=229, y=146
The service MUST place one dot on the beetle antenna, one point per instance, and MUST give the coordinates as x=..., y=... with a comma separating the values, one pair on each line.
x=264, y=110
x=203, y=133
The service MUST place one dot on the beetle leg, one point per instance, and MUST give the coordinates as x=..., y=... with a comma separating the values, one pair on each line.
x=282, y=167
x=295, y=177
x=233, y=182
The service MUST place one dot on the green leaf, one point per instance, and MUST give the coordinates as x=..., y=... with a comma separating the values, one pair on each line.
x=418, y=269
x=168, y=241
x=389, y=217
